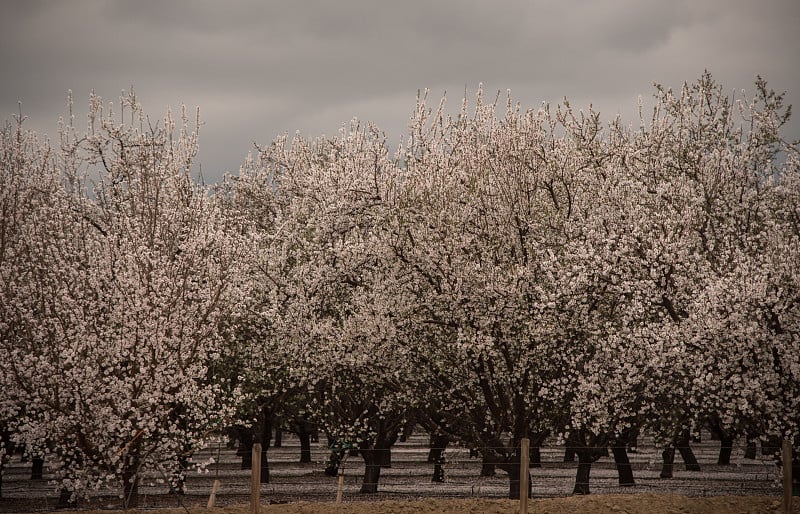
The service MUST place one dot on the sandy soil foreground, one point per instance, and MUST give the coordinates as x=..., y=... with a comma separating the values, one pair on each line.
x=594, y=504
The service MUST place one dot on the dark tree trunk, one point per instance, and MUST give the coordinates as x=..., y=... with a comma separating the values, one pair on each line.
x=588, y=447
x=513, y=478
x=37, y=468
x=535, y=453
x=265, y=435
x=624, y=468
x=376, y=456
x=619, y=448
x=668, y=459
x=305, y=446
x=487, y=464
x=384, y=456
x=438, y=470
x=681, y=443
x=245, y=450
x=264, y=463
x=726, y=441
x=372, y=470
x=569, y=453
x=584, y=468
x=439, y=443
x=278, y=437
x=511, y=465
x=725, y=451
x=686, y=452
x=432, y=448
x=535, y=457
x=5, y=442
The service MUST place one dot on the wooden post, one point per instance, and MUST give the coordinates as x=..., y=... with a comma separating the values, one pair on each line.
x=255, y=488
x=786, y=457
x=340, y=486
x=524, y=456
x=213, y=497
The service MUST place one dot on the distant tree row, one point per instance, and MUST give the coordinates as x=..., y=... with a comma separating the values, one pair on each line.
x=506, y=273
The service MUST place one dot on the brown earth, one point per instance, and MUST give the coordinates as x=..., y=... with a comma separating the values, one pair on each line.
x=595, y=504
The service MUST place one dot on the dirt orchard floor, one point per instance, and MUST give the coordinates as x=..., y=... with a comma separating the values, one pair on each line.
x=595, y=504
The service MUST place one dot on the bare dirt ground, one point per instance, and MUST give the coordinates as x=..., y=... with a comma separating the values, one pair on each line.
x=747, y=485
x=638, y=503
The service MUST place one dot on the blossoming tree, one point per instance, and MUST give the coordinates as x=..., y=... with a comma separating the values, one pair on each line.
x=124, y=288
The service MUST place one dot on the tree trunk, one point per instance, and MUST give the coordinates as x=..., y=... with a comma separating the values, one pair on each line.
x=432, y=450
x=245, y=450
x=372, y=470
x=376, y=456
x=686, y=452
x=37, y=468
x=384, y=456
x=725, y=438
x=569, y=453
x=5, y=442
x=265, y=436
x=305, y=446
x=513, y=478
x=725, y=451
x=436, y=456
x=689, y=458
x=584, y=468
x=264, y=463
x=487, y=465
x=668, y=458
x=624, y=469
x=535, y=457
x=278, y=437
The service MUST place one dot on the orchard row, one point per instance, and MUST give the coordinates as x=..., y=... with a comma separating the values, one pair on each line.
x=505, y=273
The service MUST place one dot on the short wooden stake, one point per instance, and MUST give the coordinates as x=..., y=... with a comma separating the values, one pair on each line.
x=786, y=457
x=213, y=497
x=339, y=488
x=524, y=456
x=255, y=489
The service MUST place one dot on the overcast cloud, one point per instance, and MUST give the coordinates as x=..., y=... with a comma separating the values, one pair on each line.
x=258, y=69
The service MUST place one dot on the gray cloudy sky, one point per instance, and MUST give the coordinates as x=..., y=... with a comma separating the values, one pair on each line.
x=258, y=69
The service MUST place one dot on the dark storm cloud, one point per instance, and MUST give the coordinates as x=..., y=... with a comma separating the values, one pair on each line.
x=258, y=69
